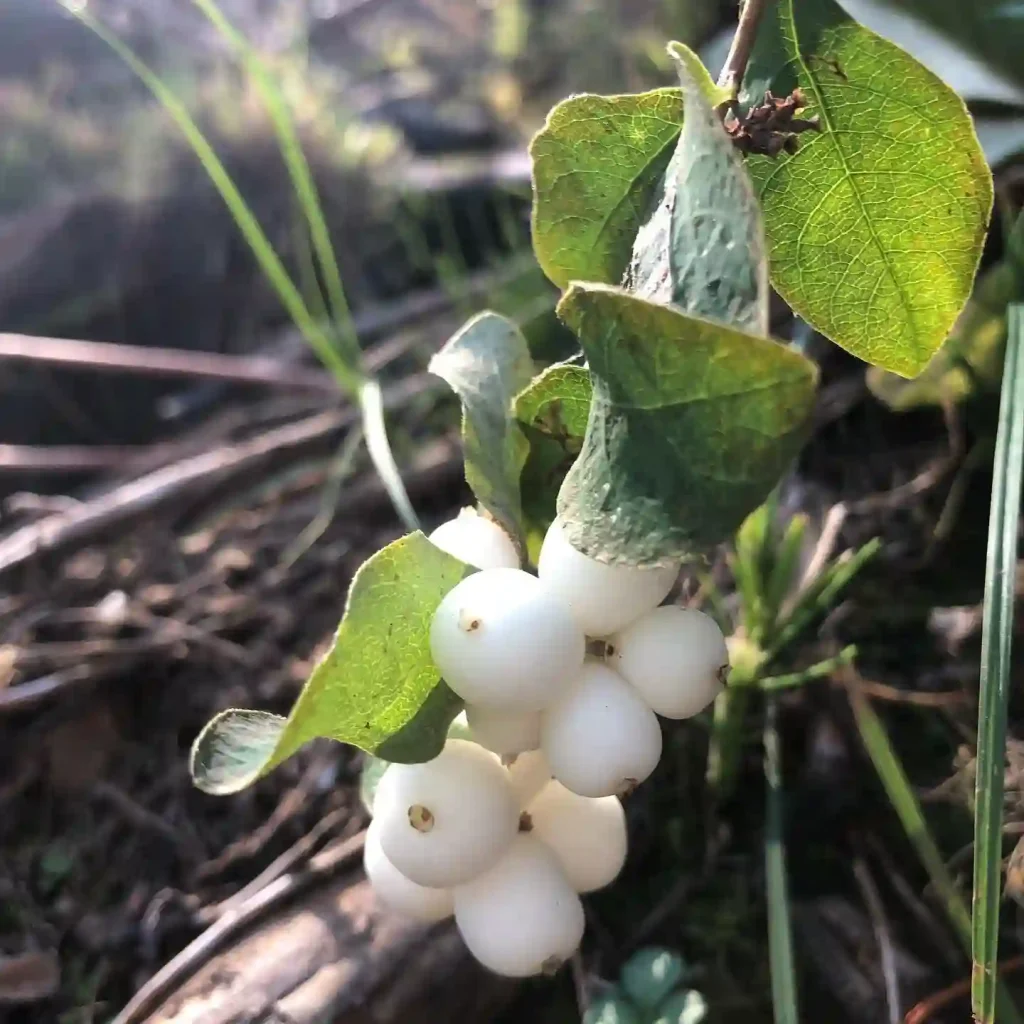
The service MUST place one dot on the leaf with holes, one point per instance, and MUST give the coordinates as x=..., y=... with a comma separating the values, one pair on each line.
x=376, y=688
x=691, y=425
x=876, y=223
x=703, y=247
x=487, y=363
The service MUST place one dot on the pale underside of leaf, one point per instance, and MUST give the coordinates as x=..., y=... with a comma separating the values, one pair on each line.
x=487, y=363
x=876, y=223
x=703, y=247
x=691, y=425
x=376, y=687
x=597, y=163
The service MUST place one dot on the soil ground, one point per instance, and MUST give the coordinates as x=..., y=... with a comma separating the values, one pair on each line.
x=117, y=647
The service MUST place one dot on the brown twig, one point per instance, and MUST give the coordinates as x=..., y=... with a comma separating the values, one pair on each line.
x=164, y=362
x=21, y=458
x=335, y=858
x=928, y=923
x=883, y=936
x=144, y=819
x=199, y=474
x=929, y=1007
x=920, y=698
x=434, y=466
x=285, y=862
x=742, y=46
x=292, y=801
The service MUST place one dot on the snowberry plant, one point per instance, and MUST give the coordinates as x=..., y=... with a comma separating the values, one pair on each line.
x=825, y=163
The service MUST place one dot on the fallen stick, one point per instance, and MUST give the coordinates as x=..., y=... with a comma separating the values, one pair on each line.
x=114, y=509
x=164, y=362
x=435, y=466
x=272, y=371
x=313, y=946
x=20, y=458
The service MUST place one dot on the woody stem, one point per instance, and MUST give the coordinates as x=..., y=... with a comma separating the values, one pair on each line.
x=742, y=45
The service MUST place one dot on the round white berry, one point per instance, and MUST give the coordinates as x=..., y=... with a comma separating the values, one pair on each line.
x=602, y=598
x=522, y=917
x=445, y=821
x=396, y=891
x=501, y=641
x=586, y=834
x=505, y=732
x=477, y=541
x=529, y=773
x=674, y=657
x=600, y=738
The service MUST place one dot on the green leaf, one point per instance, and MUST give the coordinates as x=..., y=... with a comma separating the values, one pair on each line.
x=688, y=1007
x=552, y=413
x=875, y=224
x=650, y=975
x=780, y=933
x=703, y=248
x=376, y=688
x=971, y=360
x=597, y=165
x=691, y=425
x=487, y=363
x=996, y=672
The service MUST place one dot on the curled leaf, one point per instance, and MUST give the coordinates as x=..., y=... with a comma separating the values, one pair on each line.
x=487, y=363
x=691, y=425
x=376, y=687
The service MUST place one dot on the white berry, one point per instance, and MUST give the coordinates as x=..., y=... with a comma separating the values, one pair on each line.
x=529, y=773
x=445, y=821
x=674, y=657
x=396, y=891
x=602, y=598
x=600, y=738
x=586, y=834
x=501, y=641
x=522, y=917
x=505, y=732
x=477, y=541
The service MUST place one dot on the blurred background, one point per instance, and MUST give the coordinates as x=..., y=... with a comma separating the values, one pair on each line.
x=177, y=532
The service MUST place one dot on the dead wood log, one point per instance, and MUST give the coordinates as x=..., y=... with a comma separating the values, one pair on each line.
x=330, y=955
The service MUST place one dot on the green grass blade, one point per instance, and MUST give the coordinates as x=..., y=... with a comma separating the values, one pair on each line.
x=345, y=370
x=298, y=171
x=783, y=573
x=819, y=670
x=372, y=406
x=309, y=282
x=904, y=802
x=908, y=809
x=821, y=597
x=780, y=937
x=254, y=235
x=996, y=643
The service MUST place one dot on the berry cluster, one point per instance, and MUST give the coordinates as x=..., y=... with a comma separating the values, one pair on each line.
x=506, y=828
